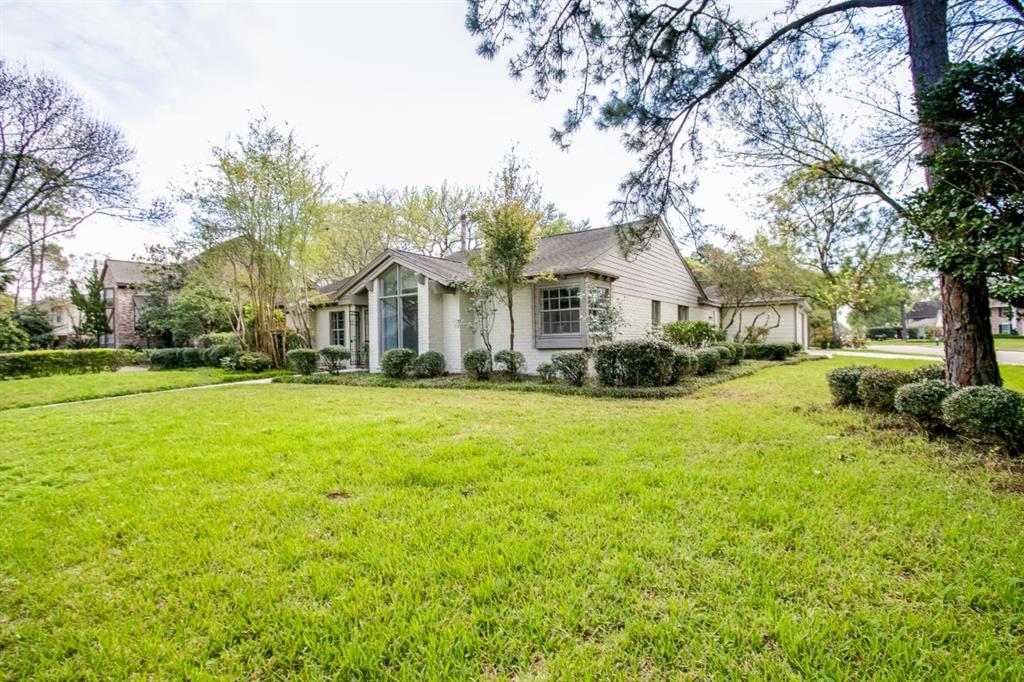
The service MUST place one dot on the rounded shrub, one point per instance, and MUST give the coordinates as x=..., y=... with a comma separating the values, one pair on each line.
x=684, y=363
x=397, y=362
x=429, y=364
x=335, y=357
x=877, y=387
x=708, y=360
x=922, y=401
x=842, y=382
x=692, y=333
x=987, y=413
x=572, y=367
x=191, y=357
x=477, y=364
x=725, y=355
x=929, y=371
x=253, y=361
x=166, y=358
x=547, y=372
x=213, y=355
x=634, y=363
x=737, y=352
x=511, y=360
x=303, y=360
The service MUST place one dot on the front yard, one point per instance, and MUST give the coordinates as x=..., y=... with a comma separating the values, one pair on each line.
x=272, y=531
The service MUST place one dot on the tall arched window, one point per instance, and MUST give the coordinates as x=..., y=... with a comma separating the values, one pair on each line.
x=399, y=326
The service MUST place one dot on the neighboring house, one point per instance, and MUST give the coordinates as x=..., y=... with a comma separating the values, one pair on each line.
x=64, y=317
x=124, y=291
x=414, y=301
x=786, y=318
x=1006, y=319
x=924, y=319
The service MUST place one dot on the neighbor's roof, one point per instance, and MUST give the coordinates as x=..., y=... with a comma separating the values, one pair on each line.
x=334, y=287
x=925, y=310
x=129, y=271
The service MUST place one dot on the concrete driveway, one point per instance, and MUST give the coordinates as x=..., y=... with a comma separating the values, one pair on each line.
x=1005, y=357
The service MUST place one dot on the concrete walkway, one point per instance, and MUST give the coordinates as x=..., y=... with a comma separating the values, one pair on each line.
x=140, y=393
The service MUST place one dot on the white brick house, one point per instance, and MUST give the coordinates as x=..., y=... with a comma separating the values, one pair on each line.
x=403, y=299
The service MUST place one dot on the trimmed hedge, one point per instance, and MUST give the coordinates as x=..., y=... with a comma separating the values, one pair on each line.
x=635, y=363
x=572, y=367
x=335, y=357
x=725, y=355
x=932, y=371
x=41, y=363
x=429, y=364
x=214, y=355
x=877, y=387
x=770, y=351
x=166, y=358
x=477, y=363
x=842, y=382
x=708, y=360
x=191, y=357
x=303, y=360
x=397, y=362
x=684, y=364
x=987, y=413
x=922, y=402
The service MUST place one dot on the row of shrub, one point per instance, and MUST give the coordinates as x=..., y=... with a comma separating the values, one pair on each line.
x=221, y=355
x=986, y=414
x=41, y=363
x=401, y=363
x=307, y=360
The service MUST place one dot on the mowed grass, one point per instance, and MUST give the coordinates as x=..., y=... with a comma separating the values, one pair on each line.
x=308, y=532
x=70, y=387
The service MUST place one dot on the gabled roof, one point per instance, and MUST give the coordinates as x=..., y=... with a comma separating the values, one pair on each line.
x=334, y=287
x=924, y=310
x=563, y=254
x=128, y=271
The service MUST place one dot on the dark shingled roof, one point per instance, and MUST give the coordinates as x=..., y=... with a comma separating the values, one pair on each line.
x=333, y=287
x=925, y=310
x=129, y=271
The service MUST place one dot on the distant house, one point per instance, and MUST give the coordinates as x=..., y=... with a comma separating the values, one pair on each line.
x=924, y=319
x=408, y=300
x=1005, y=318
x=63, y=316
x=124, y=291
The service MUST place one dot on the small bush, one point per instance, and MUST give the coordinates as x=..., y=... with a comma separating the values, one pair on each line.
x=572, y=367
x=708, y=360
x=41, y=363
x=191, y=357
x=877, y=387
x=253, y=362
x=922, y=401
x=725, y=355
x=795, y=347
x=397, y=362
x=335, y=357
x=512, y=360
x=429, y=364
x=303, y=360
x=547, y=372
x=213, y=355
x=684, y=363
x=693, y=334
x=842, y=382
x=929, y=371
x=166, y=358
x=634, y=363
x=987, y=413
x=769, y=351
x=218, y=339
x=738, y=352
x=477, y=364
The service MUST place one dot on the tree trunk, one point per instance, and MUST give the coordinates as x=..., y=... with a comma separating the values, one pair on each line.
x=970, y=353
x=511, y=326
x=970, y=350
x=837, y=336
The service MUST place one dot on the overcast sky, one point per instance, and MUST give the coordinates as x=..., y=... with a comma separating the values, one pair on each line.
x=390, y=93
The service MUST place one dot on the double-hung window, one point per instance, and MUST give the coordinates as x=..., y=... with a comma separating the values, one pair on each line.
x=399, y=323
x=682, y=313
x=337, y=327
x=560, y=310
x=655, y=313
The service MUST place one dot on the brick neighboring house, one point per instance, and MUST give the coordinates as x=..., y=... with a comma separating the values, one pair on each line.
x=1005, y=318
x=927, y=315
x=124, y=291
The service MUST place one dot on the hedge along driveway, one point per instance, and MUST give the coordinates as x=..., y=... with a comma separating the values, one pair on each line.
x=15, y=393
x=302, y=532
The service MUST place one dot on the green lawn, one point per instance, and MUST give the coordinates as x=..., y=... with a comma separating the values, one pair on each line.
x=295, y=531
x=1016, y=343
x=70, y=387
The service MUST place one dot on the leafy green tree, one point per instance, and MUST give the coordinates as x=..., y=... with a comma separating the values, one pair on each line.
x=89, y=301
x=36, y=325
x=13, y=338
x=660, y=72
x=199, y=309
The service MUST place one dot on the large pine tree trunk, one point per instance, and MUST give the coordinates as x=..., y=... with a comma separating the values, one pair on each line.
x=970, y=353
